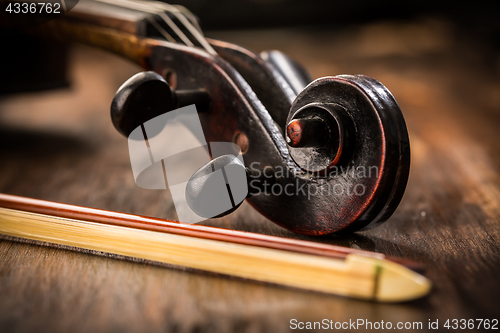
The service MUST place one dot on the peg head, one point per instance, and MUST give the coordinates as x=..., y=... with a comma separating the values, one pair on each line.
x=218, y=188
x=141, y=98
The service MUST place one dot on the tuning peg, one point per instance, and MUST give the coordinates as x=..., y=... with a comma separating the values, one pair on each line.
x=147, y=95
x=220, y=186
x=308, y=132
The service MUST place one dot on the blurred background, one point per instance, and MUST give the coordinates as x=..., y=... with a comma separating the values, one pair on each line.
x=477, y=17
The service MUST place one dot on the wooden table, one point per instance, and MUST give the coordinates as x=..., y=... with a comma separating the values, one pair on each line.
x=61, y=146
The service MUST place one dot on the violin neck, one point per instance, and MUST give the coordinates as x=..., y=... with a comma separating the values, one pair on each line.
x=126, y=27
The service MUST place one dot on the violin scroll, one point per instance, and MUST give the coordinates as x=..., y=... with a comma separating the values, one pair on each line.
x=359, y=142
x=337, y=147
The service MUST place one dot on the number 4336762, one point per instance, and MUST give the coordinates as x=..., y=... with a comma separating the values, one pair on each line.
x=33, y=8
x=461, y=324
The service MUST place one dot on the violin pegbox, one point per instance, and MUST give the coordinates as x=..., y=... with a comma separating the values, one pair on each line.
x=341, y=164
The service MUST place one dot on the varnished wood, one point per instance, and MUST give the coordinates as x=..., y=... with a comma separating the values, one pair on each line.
x=121, y=43
x=61, y=146
x=112, y=28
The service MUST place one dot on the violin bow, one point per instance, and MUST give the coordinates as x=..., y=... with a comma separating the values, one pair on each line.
x=289, y=262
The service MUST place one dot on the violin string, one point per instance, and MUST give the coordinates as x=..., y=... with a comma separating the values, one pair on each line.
x=186, y=23
x=147, y=5
x=162, y=31
x=190, y=16
x=148, y=9
x=175, y=28
x=159, y=9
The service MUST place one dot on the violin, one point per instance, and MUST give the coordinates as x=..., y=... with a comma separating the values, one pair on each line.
x=332, y=154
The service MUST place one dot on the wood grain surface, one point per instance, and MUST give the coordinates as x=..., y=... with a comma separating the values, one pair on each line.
x=61, y=146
